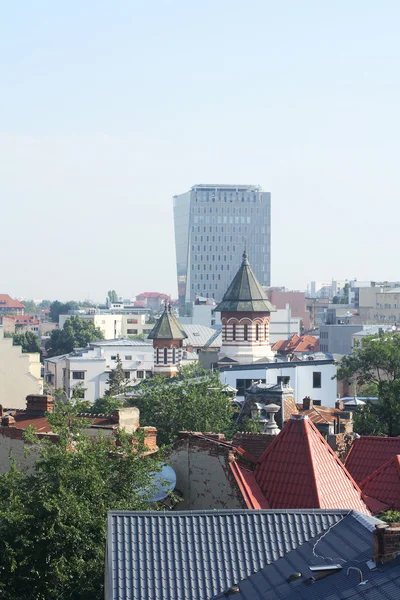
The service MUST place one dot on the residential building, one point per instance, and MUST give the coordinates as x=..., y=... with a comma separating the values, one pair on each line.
x=312, y=378
x=90, y=367
x=13, y=424
x=114, y=323
x=10, y=306
x=296, y=301
x=337, y=339
x=153, y=300
x=212, y=224
x=20, y=373
x=167, y=336
x=326, y=289
x=296, y=345
x=251, y=555
x=20, y=324
x=202, y=313
x=245, y=318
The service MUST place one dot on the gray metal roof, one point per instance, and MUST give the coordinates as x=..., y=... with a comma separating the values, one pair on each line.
x=167, y=327
x=245, y=294
x=349, y=544
x=198, y=554
x=122, y=342
x=201, y=335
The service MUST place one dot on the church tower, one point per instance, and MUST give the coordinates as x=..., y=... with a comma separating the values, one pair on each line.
x=167, y=335
x=245, y=316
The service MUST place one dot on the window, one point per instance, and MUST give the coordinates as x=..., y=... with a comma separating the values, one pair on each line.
x=265, y=332
x=284, y=380
x=113, y=357
x=158, y=356
x=127, y=374
x=243, y=384
x=78, y=374
x=130, y=332
x=128, y=357
x=140, y=374
x=316, y=379
x=132, y=321
x=80, y=394
x=165, y=356
x=257, y=331
x=234, y=332
x=173, y=356
x=246, y=333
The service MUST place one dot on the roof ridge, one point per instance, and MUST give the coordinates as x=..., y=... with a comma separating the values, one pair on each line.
x=308, y=427
x=395, y=459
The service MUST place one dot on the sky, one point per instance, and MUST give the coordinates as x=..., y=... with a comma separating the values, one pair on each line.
x=109, y=108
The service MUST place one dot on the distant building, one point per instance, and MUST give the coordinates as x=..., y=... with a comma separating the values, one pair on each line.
x=20, y=324
x=212, y=224
x=91, y=366
x=153, y=300
x=20, y=373
x=114, y=324
x=167, y=335
x=10, y=306
x=337, y=339
x=296, y=301
x=297, y=345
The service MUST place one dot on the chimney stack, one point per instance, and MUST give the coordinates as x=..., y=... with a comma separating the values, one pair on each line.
x=1, y=411
x=386, y=542
x=339, y=404
x=307, y=403
x=7, y=421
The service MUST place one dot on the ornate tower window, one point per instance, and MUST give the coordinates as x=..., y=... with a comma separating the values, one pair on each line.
x=234, y=332
x=173, y=356
x=257, y=332
x=246, y=333
x=165, y=356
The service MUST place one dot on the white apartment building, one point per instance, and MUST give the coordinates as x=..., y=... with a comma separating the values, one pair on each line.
x=307, y=378
x=114, y=325
x=91, y=366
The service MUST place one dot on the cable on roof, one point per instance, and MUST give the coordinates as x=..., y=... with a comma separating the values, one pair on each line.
x=326, y=533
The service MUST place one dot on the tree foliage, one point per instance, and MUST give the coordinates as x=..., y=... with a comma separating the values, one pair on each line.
x=112, y=296
x=192, y=402
x=391, y=516
x=117, y=381
x=376, y=364
x=76, y=333
x=106, y=405
x=30, y=307
x=28, y=341
x=53, y=519
x=58, y=308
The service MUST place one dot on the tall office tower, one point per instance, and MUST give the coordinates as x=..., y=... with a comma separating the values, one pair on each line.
x=213, y=225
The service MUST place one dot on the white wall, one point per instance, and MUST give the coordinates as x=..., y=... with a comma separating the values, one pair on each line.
x=282, y=325
x=301, y=379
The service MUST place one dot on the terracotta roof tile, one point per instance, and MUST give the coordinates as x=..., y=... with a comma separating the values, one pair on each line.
x=369, y=453
x=300, y=470
x=6, y=300
x=384, y=484
x=297, y=343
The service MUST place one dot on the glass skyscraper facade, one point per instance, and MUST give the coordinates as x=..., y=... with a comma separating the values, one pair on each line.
x=213, y=225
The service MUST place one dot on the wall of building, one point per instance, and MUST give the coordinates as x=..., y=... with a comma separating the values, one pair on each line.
x=296, y=302
x=20, y=374
x=203, y=475
x=283, y=325
x=13, y=446
x=337, y=339
x=114, y=326
x=301, y=378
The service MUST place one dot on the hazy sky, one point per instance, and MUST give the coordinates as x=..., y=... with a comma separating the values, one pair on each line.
x=109, y=108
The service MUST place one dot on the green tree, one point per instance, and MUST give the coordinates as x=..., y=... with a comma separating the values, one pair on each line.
x=346, y=293
x=76, y=333
x=117, y=381
x=53, y=520
x=44, y=304
x=28, y=341
x=106, y=405
x=58, y=308
x=112, y=296
x=376, y=363
x=193, y=402
x=30, y=307
x=335, y=300
x=250, y=425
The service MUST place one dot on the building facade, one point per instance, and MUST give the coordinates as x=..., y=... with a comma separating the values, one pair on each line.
x=212, y=224
x=113, y=324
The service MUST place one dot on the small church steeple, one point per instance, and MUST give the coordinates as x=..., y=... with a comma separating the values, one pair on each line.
x=245, y=317
x=167, y=335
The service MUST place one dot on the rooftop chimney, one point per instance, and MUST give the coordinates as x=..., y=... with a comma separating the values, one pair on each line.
x=38, y=405
x=339, y=404
x=307, y=403
x=386, y=542
x=7, y=421
x=1, y=411
x=127, y=418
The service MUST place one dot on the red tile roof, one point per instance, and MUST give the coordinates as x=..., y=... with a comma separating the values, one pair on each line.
x=151, y=295
x=8, y=302
x=300, y=470
x=384, y=484
x=321, y=414
x=251, y=492
x=297, y=343
x=369, y=453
